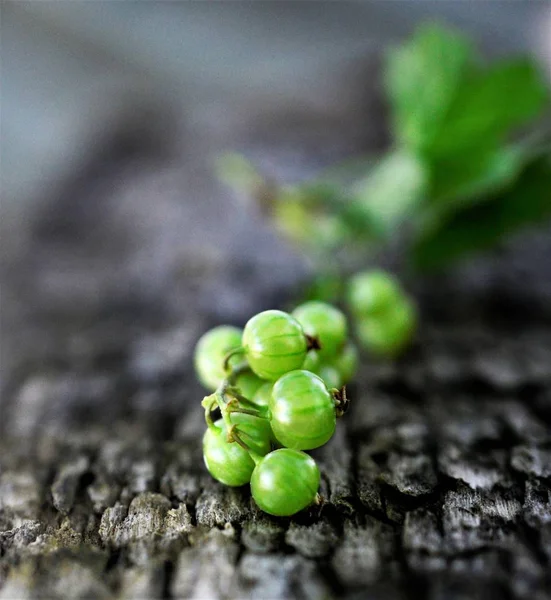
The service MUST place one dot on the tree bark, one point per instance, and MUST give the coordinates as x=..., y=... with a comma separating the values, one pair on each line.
x=436, y=485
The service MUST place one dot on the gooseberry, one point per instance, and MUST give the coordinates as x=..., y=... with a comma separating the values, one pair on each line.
x=210, y=351
x=302, y=411
x=284, y=482
x=325, y=323
x=388, y=333
x=274, y=343
x=228, y=462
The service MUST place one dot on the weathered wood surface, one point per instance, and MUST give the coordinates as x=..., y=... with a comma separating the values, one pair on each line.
x=437, y=483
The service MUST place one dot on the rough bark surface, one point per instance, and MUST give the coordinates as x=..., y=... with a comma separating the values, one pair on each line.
x=437, y=484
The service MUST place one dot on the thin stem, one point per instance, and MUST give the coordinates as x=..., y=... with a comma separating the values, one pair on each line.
x=236, y=371
x=247, y=404
x=247, y=411
x=208, y=419
x=234, y=436
x=227, y=419
x=219, y=397
x=228, y=399
x=208, y=416
x=229, y=355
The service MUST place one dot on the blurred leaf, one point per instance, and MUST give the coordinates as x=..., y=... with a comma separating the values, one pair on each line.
x=481, y=226
x=471, y=178
x=422, y=79
x=454, y=177
x=393, y=189
x=488, y=104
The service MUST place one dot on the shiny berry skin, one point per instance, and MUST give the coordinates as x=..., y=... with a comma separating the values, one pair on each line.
x=284, y=482
x=346, y=362
x=324, y=322
x=210, y=352
x=228, y=462
x=302, y=411
x=263, y=395
x=248, y=384
x=386, y=335
x=372, y=292
x=311, y=362
x=274, y=344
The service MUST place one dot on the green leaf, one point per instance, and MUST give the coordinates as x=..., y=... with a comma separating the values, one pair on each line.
x=470, y=178
x=422, y=78
x=488, y=105
x=393, y=190
x=481, y=226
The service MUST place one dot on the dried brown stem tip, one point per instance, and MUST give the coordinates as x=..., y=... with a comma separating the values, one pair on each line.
x=312, y=343
x=341, y=401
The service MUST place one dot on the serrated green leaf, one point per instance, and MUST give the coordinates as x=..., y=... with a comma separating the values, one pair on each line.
x=479, y=227
x=422, y=78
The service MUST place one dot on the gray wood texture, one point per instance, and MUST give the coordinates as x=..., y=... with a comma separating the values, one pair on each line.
x=436, y=485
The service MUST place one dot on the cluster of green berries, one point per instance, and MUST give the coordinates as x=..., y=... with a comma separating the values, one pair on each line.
x=385, y=318
x=279, y=387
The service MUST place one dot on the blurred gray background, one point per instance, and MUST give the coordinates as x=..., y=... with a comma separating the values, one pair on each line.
x=75, y=72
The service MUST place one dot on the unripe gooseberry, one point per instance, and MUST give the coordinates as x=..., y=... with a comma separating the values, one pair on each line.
x=228, y=462
x=274, y=343
x=372, y=292
x=284, y=482
x=263, y=395
x=248, y=384
x=331, y=376
x=346, y=362
x=387, y=334
x=311, y=362
x=210, y=351
x=324, y=322
x=302, y=411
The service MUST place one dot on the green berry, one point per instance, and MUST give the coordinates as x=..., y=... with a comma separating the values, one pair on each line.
x=210, y=352
x=228, y=462
x=346, y=362
x=254, y=431
x=311, y=362
x=324, y=322
x=331, y=376
x=284, y=482
x=248, y=384
x=274, y=344
x=302, y=411
x=372, y=292
x=263, y=395
x=386, y=335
